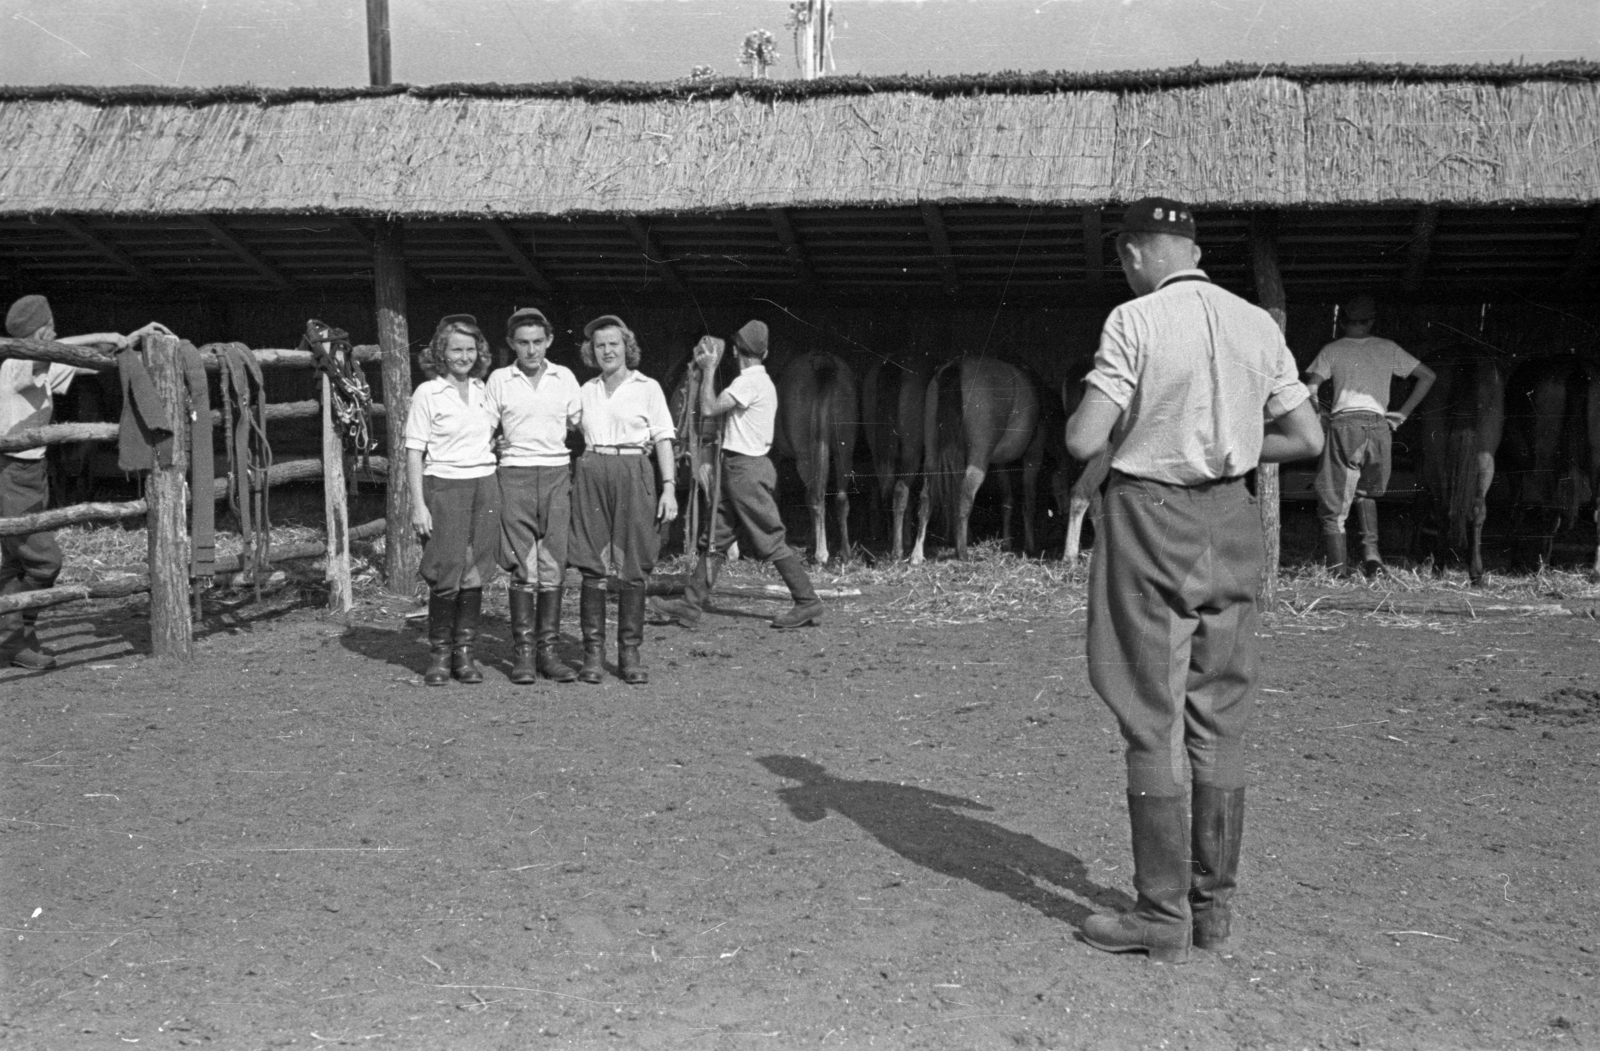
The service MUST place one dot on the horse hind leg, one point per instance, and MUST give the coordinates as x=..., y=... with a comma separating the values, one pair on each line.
x=971, y=482
x=924, y=503
x=1480, y=512
x=902, y=498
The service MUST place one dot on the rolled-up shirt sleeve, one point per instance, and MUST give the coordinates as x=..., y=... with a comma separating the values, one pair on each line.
x=1116, y=368
x=1286, y=391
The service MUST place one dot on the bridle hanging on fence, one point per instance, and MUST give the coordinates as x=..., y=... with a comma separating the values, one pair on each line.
x=333, y=357
x=244, y=433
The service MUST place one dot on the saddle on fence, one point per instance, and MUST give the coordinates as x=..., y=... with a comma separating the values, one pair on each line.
x=333, y=356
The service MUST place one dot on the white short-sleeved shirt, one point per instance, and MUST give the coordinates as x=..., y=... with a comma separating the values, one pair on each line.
x=1196, y=371
x=27, y=398
x=1360, y=370
x=750, y=426
x=636, y=415
x=534, y=417
x=456, y=436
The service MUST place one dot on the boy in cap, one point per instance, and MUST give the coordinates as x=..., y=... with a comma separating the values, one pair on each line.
x=750, y=407
x=27, y=399
x=1356, y=458
x=536, y=403
x=1184, y=378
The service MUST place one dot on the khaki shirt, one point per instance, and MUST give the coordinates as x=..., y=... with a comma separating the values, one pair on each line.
x=1360, y=370
x=1197, y=372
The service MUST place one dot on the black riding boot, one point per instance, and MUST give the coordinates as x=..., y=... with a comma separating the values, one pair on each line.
x=1160, y=923
x=469, y=608
x=521, y=601
x=548, y=634
x=807, y=608
x=1334, y=545
x=592, y=622
x=630, y=636
x=441, y=629
x=19, y=636
x=1367, y=511
x=1217, y=828
x=685, y=612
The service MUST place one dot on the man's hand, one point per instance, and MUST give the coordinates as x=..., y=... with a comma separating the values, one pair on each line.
x=153, y=328
x=708, y=353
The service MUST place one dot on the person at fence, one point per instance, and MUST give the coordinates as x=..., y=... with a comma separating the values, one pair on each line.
x=27, y=398
x=455, y=498
x=1356, y=458
x=615, y=507
x=1183, y=379
x=747, y=503
x=535, y=401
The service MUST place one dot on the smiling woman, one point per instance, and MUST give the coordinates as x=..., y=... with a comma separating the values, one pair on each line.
x=455, y=500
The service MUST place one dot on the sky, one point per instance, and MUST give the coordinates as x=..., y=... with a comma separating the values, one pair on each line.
x=284, y=43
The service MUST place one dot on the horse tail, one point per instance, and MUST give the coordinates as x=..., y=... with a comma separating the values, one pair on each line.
x=1460, y=481
x=949, y=438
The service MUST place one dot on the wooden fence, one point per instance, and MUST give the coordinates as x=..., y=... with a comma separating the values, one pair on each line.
x=166, y=503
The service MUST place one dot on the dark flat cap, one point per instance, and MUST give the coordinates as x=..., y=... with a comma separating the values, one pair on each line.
x=752, y=339
x=604, y=321
x=27, y=316
x=1359, y=308
x=1158, y=215
x=451, y=319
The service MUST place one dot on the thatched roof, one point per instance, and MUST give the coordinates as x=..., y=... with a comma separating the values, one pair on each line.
x=1230, y=137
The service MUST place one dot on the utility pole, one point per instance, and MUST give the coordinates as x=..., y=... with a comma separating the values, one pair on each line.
x=402, y=554
x=812, y=21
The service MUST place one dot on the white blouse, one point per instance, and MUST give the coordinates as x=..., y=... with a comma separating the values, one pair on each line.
x=455, y=435
x=635, y=415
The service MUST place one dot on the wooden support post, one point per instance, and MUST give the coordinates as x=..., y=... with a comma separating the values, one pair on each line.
x=341, y=595
x=167, y=488
x=402, y=553
x=1271, y=297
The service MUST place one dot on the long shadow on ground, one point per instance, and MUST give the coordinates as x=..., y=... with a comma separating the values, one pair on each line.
x=928, y=828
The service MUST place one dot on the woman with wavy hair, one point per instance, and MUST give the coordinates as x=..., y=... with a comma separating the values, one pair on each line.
x=616, y=508
x=455, y=500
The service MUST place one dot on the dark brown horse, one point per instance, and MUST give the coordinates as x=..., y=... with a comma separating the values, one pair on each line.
x=1552, y=437
x=1458, y=429
x=977, y=413
x=817, y=415
x=891, y=416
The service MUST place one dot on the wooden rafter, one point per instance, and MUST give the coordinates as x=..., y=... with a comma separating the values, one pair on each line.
x=139, y=272
x=792, y=248
x=1094, y=258
x=1421, y=247
x=1584, y=252
x=246, y=254
x=524, y=262
x=653, y=254
x=939, y=238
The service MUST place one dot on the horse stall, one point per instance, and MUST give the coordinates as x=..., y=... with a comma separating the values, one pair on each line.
x=900, y=223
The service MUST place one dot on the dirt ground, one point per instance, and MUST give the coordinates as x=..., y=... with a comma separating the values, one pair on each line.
x=876, y=833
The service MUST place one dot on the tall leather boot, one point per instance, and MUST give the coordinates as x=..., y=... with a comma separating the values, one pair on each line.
x=548, y=634
x=522, y=604
x=1334, y=545
x=19, y=635
x=1159, y=924
x=441, y=630
x=469, y=608
x=630, y=636
x=592, y=622
x=1216, y=830
x=1371, y=561
x=685, y=612
x=807, y=608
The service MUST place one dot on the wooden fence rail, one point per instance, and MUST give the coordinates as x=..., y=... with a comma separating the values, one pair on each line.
x=167, y=495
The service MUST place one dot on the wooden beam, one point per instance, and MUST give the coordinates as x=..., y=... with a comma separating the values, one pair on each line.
x=402, y=554
x=654, y=255
x=792, y=248
x=1420, y=248
x=245, y=253
x=1271, y=297
x=140, y=273
x=1584, y=252
x=1094, y=249
x=939, y=238
x=508, y=244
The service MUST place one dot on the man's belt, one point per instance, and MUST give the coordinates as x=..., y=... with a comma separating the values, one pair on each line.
x=617, y=450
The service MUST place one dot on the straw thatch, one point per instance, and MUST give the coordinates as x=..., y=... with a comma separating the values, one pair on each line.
x=1278, y=137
